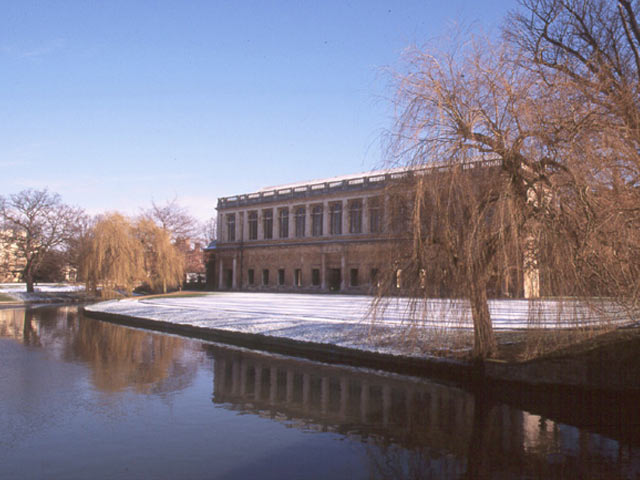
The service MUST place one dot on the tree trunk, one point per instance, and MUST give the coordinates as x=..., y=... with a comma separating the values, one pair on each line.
x=484, y=345
x=29, y=334
x=28, y=278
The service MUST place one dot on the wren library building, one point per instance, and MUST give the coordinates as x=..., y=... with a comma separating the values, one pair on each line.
x=333, y=235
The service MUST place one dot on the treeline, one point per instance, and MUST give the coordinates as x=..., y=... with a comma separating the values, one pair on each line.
x=43, y=239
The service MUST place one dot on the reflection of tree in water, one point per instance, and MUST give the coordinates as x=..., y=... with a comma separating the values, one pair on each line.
x=30, y=334
x=122, y=358
x=119, y=357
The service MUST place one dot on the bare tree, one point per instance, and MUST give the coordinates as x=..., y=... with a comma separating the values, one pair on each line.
x=163, y=261
x=175, y=219
x=36, y=222
x=590, y=51
x=79, y=242
x=591, y=45
x=210, y=230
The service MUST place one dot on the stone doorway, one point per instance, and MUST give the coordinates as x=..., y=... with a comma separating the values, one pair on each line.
x=228, y=278
x=334, y=279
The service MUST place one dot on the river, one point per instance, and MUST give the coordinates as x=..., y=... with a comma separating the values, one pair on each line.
x=81, y=398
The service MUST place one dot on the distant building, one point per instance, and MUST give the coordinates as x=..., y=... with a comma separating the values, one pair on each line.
x=11, y=262
x=52, y=267
x=194, y=265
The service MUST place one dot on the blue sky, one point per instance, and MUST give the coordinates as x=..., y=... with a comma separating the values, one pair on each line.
x=115, y=103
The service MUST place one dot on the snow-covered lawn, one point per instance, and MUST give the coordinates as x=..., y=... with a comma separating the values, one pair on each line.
x=43, y=291
x=350, y=320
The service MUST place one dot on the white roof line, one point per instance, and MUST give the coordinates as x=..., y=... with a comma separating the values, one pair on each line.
x=340, y=178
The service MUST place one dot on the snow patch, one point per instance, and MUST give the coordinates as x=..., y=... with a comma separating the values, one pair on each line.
x=350, y=321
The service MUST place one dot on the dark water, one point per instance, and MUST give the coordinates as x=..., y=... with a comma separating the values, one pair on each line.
x=80, y=398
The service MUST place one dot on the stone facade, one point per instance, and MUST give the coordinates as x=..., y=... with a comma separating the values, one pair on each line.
x=334, y=235
x=11, y=262
x=319, y=236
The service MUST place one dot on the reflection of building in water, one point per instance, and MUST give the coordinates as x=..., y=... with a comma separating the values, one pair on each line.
x=36, y=326
x=12, y=323
x=538, y=432
x=348, y=400
x=417, y=414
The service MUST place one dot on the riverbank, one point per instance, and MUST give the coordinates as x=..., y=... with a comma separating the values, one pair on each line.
x=343, y=329
x=15, y=294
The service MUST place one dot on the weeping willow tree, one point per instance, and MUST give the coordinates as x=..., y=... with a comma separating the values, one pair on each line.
x=118, y=255
x=468, y=129
x=524, y=160
x=112, y=256
x=455, y=235
x=163, y=262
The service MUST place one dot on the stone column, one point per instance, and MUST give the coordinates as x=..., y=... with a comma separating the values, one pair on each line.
x=325, y=218
x=235, y=225
x=307, y=220
x=275, y=229
x=531, y=272
x=365, y=215
x=292, y=221
x=386, y=214
x=234, y=277
x=531, y=269
x=323, y=271
x=343, y=268
x=244, y=231
x=260, y=229
x=345, y=217
x=221, y=274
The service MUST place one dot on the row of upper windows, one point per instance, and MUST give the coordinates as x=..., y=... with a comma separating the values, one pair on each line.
x=354, y=212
